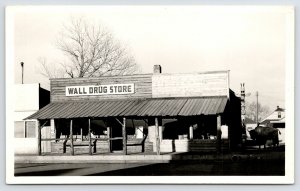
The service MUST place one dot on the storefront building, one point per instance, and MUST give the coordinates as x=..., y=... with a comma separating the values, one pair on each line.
x=144, y=113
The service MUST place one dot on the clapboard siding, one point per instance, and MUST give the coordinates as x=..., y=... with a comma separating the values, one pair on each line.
x=142, y=83
x=191, y=85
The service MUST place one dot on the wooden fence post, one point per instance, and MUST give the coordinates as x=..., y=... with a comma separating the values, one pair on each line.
x=39, y=138
x=71, y=136
x=219, y=133
x=124, y=137
x=157, y=136
x=90, y=138
x=108, y=139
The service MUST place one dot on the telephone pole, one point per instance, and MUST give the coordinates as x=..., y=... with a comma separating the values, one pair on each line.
x=257, y=107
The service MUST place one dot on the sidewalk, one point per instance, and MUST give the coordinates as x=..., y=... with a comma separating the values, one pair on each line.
x=152, y=157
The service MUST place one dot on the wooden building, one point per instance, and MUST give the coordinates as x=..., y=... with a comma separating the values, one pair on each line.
x=276, y=120
x=142, y=113
x=28, y=100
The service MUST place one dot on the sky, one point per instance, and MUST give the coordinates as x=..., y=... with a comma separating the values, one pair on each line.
x=249, y=42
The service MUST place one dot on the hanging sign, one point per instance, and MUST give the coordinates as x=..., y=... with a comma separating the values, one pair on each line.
x=100, y=89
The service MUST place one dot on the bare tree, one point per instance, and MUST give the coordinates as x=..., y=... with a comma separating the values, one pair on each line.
x=49, y=70
x=92, y=51
x=251, y=111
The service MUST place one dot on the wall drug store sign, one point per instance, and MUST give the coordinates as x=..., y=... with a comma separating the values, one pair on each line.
x=111, y=89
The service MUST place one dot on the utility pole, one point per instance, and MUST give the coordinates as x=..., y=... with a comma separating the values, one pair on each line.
x=22, y=65
x=243, y=110
x=257, y=107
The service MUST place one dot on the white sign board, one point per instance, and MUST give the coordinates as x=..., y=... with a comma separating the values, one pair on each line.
x=100, y=89
x=191, y=85
x=26, y=97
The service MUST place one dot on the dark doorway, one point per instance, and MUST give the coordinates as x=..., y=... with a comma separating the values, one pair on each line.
x=116, y=131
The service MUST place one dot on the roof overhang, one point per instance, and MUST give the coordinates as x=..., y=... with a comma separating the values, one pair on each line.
x=165, y=107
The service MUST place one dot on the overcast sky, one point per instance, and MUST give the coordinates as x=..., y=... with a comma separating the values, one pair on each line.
x=251, y=44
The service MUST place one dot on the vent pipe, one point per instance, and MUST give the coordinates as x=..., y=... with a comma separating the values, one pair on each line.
x=157, y=69
x=22, y=65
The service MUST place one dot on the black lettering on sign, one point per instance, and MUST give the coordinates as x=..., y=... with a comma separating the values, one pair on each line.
x=70, y=90
x=95, y=90
x=100, y=89
x=119, y=88
x=81, y=90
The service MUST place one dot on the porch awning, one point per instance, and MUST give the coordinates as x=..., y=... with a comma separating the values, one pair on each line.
x=128, y=108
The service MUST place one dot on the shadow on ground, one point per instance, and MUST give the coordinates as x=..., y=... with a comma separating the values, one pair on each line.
x=253, y=162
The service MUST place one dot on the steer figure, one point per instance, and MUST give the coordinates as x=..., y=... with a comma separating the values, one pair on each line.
x=262, y=134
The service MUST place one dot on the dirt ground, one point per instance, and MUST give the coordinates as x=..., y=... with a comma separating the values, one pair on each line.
x=249, y=162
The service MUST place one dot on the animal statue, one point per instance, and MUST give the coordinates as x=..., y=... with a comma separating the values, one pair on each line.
x=262, y=134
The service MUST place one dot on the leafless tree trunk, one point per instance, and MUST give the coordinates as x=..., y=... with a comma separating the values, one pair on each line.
x=263, y=111
x=92, y=51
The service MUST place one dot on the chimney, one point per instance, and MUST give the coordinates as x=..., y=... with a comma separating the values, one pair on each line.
x=157, y=69
x=277, y=107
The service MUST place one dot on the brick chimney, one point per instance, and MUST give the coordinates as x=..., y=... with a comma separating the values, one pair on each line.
x=157, y=69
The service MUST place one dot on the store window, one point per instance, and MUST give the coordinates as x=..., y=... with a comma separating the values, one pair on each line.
x=19, y=129
x=25, y=129
x=30, y=131
x=279, y=114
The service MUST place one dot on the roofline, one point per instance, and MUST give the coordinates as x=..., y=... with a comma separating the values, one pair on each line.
x=179, y=114
x=147, y=74
x=101, y=77
x=265, y=118
x=141, y=99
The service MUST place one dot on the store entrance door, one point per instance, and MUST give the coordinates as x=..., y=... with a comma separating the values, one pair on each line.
x=116, y=131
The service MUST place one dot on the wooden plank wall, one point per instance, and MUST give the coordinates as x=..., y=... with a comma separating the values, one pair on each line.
x=191, y=85
x=142, y=83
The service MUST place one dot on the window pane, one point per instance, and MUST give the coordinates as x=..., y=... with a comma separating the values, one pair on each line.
x=30, y=129
x=19, y=129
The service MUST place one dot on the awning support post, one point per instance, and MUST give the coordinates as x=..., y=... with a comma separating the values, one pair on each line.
x=157, y=136
x=160, y=133
x=219, y=133
x=71, y=136
x=108, y=140
x=191, y=132
x=124, y=136
x=90, y=138
x=39, y=138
